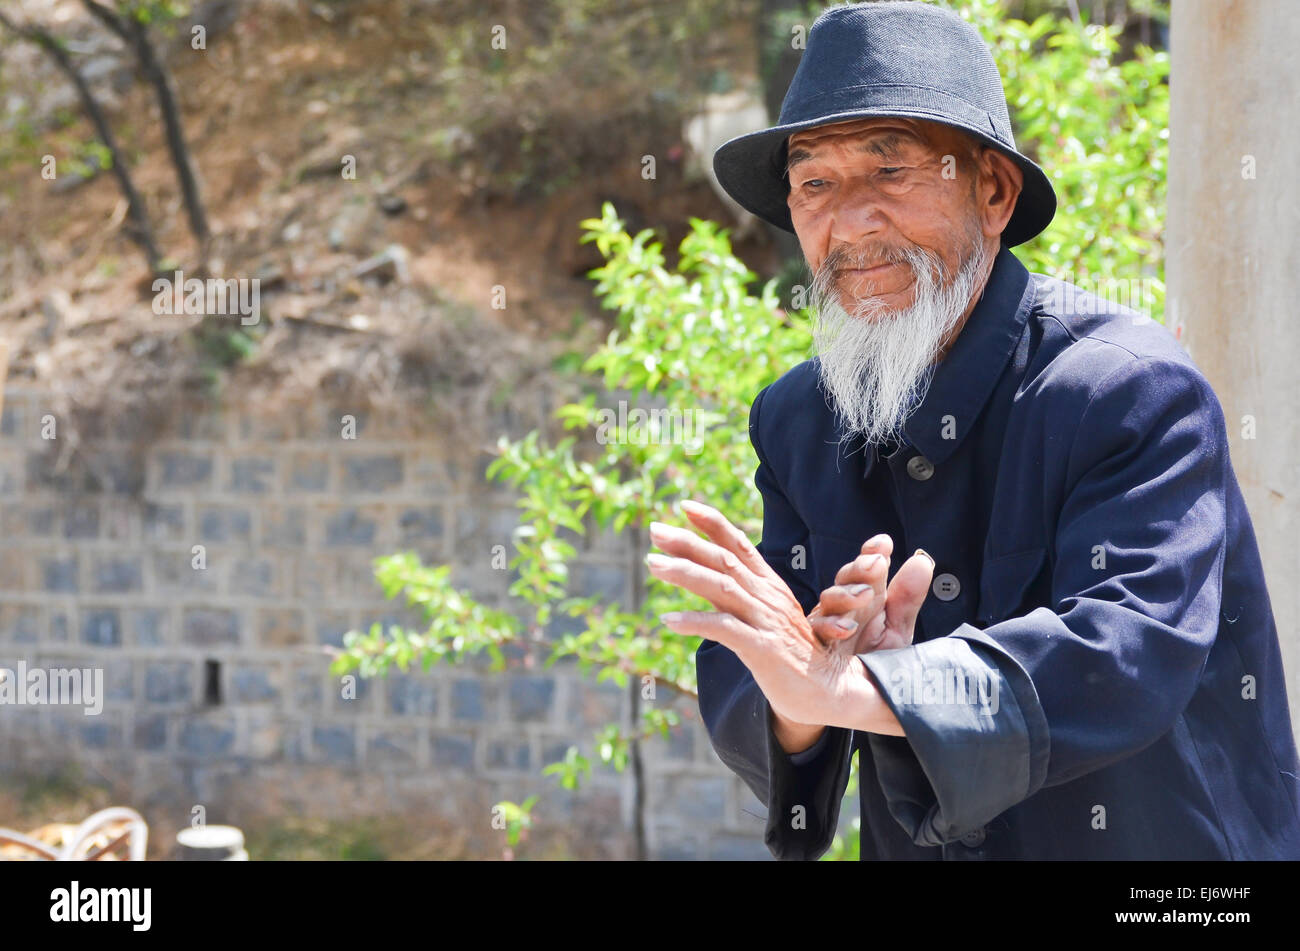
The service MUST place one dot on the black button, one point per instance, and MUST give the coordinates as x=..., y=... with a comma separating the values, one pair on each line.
x=920, y=468
x=946, y=586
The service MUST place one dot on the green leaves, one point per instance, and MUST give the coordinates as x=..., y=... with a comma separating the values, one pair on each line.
x=1099, y=127
x=570, y=769
x=458, y=625
x=517, y=818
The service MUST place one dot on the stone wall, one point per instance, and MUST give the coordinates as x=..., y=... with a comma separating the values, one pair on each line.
x=217, y=686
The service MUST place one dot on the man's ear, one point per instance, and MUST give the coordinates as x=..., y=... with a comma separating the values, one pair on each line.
x=997, y=187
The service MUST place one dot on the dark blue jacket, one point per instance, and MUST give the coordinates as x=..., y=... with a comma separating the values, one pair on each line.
x=1096, y=672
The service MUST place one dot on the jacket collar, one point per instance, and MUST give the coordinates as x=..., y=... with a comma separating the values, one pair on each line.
x=964, y=379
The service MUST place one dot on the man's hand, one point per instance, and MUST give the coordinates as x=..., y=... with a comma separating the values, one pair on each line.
x=806, y=682
x=860, y=609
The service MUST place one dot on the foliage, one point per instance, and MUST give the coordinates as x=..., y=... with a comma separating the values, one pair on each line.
x=697, y=343
x=1100, y=129
x=518, y=819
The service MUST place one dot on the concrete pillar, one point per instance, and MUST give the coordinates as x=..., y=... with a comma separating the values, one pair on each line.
x=1233, y=257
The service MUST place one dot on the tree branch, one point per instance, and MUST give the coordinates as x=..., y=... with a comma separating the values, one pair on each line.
x=139, y=229
x=109, y=18
x=135, y=34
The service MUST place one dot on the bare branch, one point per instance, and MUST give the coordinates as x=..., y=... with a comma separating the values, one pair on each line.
x=110, y=18
x=139, y=229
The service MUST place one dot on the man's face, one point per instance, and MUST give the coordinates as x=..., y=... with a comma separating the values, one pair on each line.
x=899, y=222
x=859, y=189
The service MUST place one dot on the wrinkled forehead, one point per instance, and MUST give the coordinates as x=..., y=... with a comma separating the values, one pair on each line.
x=879, y=133
x=853, y=129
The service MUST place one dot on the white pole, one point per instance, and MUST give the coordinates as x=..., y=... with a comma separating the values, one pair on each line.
x=1233, y=258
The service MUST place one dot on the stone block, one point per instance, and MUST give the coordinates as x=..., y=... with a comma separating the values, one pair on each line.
x=284, y=526
x=206, y=738
x=412, y=695
x=149, y=733
x=208, y=626
x=530, y=699
x=509, y=754
x=116, y=574
x=59, y=574
x=225, y=524
x=453, y=751
x=174, y=573
x=250, y=684
x=335, y=743
x=184, y=470
x=307, y=472
x=81, y=520
x=371, y=474
x=101, y=627
x=281, y=627
x=392, y=747
x=41, y=520
x=169, y=682
x=351, y=526
x=330, y=628
x=473, y=701
x=162, y=522
x=150, y=627
x=251, y=475
x=252, y=577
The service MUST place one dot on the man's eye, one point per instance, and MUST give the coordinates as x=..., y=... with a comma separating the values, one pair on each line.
x=891, y=170
x=814, y=183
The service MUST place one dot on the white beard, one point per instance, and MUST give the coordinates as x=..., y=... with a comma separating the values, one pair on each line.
x=877, y=362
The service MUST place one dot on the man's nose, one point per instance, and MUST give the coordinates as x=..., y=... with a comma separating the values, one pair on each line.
x=857, y=215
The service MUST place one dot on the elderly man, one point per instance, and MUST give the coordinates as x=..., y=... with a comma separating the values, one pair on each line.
x=1079, y=660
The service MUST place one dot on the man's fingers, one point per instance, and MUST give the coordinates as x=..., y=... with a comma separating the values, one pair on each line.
x=832, y=627
x=843, y=599
x=871, y=569
x=726, y=629
x=907, y=592
x=684, y=543
x=715, y=525
x=721, y=590
x=879, y=544
x=858, y=601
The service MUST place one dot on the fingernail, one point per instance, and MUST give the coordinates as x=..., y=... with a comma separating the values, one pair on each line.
x=690, y=505
x=656, y=528
x=656, y=560
x=857, y=588
x=671, y=617
x=846, y=622
x=922, y=551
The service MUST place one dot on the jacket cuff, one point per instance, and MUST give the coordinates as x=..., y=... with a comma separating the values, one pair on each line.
x=808, y=755
x=977, y=741
x=803, y=800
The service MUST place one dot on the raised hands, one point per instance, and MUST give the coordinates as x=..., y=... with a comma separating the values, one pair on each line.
x=860, y=610
x=810, y=679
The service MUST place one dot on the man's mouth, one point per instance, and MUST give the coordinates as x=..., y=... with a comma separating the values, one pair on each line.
x=877, y=269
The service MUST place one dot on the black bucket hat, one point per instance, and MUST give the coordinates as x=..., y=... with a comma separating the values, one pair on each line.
x=911, y=60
